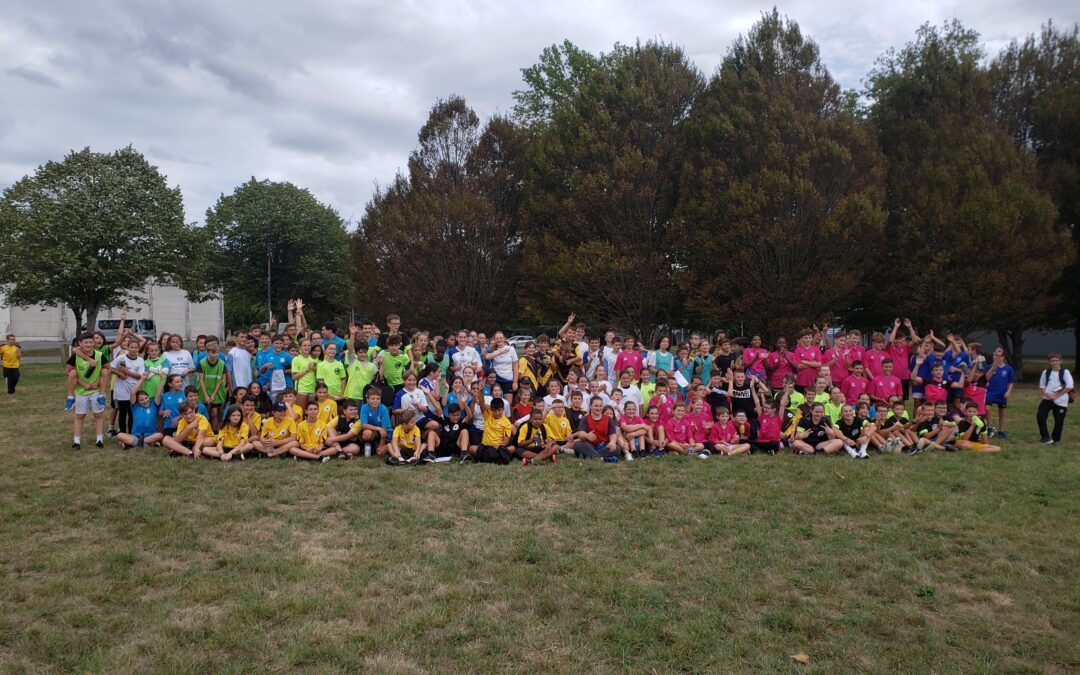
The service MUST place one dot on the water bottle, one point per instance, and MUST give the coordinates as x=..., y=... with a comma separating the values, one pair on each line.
x=367, y=449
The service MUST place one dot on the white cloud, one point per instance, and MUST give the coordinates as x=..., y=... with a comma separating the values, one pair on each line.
x=330, y=95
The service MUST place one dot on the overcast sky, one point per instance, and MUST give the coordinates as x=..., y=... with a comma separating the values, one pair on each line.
x=330, y=94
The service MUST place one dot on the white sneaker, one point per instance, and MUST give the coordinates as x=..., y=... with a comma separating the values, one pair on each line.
x=628, y=457
x=851, y=451
x=863, y=454
x=703, y=455
x=568, y=451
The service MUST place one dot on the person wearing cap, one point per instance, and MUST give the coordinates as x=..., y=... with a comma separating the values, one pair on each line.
x=278, y=434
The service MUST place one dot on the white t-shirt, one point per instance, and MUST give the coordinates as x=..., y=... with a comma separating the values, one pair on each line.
x=503, y=364
x=467, y=357
x=589, y=397
x=180, y=362
x=609, y=357
x=632, y=393
x=1049, y=382
x=241, y=367
x=123, y=387
x=410, y=399
x=549, y=399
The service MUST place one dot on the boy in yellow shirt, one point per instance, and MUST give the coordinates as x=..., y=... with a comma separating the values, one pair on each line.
x=10, y=355
x=557, y=426
x=311, y=435
x=278, y=435
x=496, y=444
x=192, y=432
x=405, y=444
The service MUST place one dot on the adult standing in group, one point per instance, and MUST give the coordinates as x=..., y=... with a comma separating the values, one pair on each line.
x=504, y=362
x=393, y=327
x=1056, y=384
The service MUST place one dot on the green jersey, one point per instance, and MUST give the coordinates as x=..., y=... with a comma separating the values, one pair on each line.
x=331, y=373
x=150, y=384
x=211, y=374
x=394, y=367
x=361, y=374
x=88, y=371
x=306, y=383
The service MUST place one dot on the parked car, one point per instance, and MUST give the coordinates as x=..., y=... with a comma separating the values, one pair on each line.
x=518, y=342
x=144, y=327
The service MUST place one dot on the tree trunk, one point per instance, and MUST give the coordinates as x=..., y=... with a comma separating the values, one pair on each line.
x=91, y=317
x=77, y=310
x=1012, y=340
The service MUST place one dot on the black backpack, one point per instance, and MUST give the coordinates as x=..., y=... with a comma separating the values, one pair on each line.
x=1061, y=380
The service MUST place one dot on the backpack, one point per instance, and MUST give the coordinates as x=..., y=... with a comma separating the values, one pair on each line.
x=1061, y=378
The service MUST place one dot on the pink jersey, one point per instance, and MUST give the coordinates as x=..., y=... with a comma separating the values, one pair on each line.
x=884, y=387
x=631, y=421
x=806, y=374
x=679, y=431
x=700, y=422
x=873, y=359
x=900, y=353
x=857, y=353
x=753, y=359
x=630, y=359
x=724, y=434
x=663, y=403
x=769, y=428
x=852, y=386
x=839, y=369
x=779, y=366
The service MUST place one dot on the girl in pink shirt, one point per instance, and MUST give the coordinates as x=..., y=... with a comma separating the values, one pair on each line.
x=780, y=364
x=657, y=435
x=634, y=429
x=754, y=356
x=837, y=358
x=680, y=435
x=700, y=420
x=629, y=358
x=663, y=401
x=724, y=437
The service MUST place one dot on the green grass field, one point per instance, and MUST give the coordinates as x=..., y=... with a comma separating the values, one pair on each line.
x=127, y=561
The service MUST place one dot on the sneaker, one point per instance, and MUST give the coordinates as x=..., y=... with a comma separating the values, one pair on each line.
x=568, y=451
x=413, y=460
x=657, y=452
x=912, y=450
x=1047, y=441
x=704, y=454
x=243, y=456
x=851, y=451
x=1001, y=435
x=427, y=458
x=950, y=447
x=69, y=403
x=76, y=446
x=326, y=459
x=466, y=457
x=111, y=433
x=99, y=444
x=863, y=454
x=611, y=460
x=393, y=461
x=628, y=457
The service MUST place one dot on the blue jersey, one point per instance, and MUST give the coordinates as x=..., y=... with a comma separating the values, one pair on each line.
x=262, y=357
x=961, y=360
x=144, y=419
x=927, y=365
x=170, y=403
x=379, y=417
x=998, y=382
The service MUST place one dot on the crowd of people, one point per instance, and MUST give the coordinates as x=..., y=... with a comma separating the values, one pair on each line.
x=411, y=398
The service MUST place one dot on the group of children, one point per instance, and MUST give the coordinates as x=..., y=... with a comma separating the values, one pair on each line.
x=411, y=398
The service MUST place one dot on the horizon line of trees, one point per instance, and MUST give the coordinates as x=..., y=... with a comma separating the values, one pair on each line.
x=629, y=188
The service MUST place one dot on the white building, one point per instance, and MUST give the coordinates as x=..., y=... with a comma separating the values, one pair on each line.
x=167, y=306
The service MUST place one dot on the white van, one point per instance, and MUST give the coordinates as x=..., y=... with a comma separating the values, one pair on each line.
x=144, y=327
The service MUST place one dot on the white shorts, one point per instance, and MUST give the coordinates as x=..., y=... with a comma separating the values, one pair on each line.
x=87, y=403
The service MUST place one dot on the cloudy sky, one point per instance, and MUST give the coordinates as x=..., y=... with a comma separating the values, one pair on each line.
x=330, y=94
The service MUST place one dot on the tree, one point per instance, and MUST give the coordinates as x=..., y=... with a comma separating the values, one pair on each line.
x=1037, y=98
x=281, y=225
x=603, y=179
x=442, y=245
x=782, y=189
x=91, y=231
x=971, y=240
x=552, y=82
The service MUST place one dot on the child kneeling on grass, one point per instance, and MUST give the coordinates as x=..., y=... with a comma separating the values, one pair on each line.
x=192, y=432
x=405, y=444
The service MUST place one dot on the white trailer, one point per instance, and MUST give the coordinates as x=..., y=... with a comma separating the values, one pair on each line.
x=167, y=306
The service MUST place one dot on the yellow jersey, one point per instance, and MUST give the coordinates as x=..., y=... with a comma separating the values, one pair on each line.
x=311, y=436
x=558, y=427
x=497, y=430
x=271, y=428
x=327, y=411
x=200, y=424
x=409, y=440
x=295, y=412
x=233, y=437
x=9, y=356
x=255, y=424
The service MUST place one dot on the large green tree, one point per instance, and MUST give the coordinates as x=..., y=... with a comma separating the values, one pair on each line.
x=91, y=231
x=441, y=246
x=277, y=229
x=602, y=186
x=781, y=200
x=970, y=240
x=1037, y=98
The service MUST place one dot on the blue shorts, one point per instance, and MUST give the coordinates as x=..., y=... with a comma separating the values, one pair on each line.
x=998, y=400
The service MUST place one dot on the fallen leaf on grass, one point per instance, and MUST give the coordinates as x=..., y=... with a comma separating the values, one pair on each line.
x=840, y=474
x=801, y=658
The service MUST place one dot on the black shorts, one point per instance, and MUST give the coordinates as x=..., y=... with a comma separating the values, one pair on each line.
x=475, y=436
x=214, y=406
x=906, y=386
